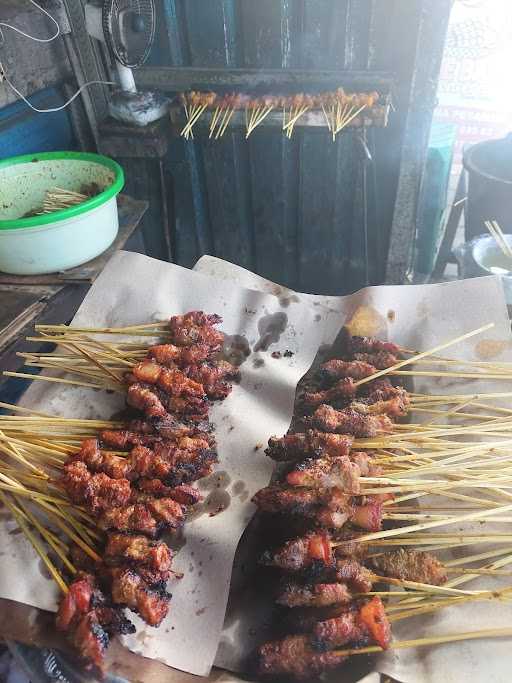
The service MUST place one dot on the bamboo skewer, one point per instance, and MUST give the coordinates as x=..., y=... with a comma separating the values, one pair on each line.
x=423, y=354
x=432, y=640
x=61, y=380
x=427, y=607
x=416, y=459
x=499, y=237
x=35, y=543
x=430, y=525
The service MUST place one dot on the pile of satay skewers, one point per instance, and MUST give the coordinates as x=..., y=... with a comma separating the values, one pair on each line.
x=112, y=489
x=346, y=465
x=349, y=468
x=340, y=109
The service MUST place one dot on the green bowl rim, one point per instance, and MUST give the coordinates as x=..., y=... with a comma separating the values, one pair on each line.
x=63, y=214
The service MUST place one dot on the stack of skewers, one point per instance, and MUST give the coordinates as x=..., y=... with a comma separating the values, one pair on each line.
x=339, y=108
x=114, y=493
x=337, y=476
x=351, y=474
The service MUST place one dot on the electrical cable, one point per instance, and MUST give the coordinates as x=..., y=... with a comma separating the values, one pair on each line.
x=4, y=77
x=26, y=35
x=54, y=109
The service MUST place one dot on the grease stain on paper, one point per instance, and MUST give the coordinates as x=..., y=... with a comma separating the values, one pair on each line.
x=490, y=348
x=270, y=327
x=236, y=349
x=285, y=301
x=240, y=490
x=215, y=502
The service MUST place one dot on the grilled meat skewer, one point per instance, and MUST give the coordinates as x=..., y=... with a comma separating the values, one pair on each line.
x=314, y=595
x=295, y=656
x=312, y=443
x=350, y=422
x=306, y=656
x=411, y=565
x=89, y=621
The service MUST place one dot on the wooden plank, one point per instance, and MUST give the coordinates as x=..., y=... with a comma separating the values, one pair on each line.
x=19, y=307
x=316, y=210
x=230, y=209
x=272, y=178
x=60, y=308
x=341, y=241
x=172, y=79
x=445, y=255
x=429, y=29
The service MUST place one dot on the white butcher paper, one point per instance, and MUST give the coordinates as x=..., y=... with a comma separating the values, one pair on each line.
x=134, y=289
x=418, y=317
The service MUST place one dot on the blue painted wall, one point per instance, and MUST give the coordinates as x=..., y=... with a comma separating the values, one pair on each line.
x=23, y=131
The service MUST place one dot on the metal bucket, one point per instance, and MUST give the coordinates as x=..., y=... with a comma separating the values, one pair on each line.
x=482, y=256
x=489, y=167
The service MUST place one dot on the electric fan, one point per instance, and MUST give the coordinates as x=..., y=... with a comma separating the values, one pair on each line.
x=127, y=27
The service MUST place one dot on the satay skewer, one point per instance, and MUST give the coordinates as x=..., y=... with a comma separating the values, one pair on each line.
x=204, y=101
x=423, y=354
x=429, y=641
x=234, y=104
x=326, y=115
x=268, y=106
x=34, y=542
x=213, y=121
x=255, y=108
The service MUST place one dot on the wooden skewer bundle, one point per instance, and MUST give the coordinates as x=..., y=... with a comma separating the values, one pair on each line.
x=465, y=466
x=343, y=109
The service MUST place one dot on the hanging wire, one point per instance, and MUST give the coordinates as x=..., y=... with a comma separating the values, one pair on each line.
x=26, y=35
x=4, y=77
x=54, y=109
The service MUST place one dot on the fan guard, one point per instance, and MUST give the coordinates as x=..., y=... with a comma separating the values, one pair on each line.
x=129, y=30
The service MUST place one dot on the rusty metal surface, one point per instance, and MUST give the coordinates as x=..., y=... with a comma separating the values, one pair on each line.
x=174, y=79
